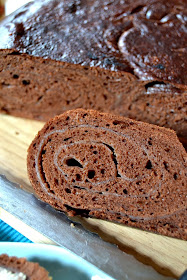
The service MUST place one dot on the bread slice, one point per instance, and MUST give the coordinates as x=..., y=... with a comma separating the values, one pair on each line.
x=21, y=269
x=100, y=165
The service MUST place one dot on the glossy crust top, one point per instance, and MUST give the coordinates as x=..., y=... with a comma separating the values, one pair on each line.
x=144, y=37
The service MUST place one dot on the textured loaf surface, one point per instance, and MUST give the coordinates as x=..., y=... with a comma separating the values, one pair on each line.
x=33, y=271
x=137, y=48
x=99, y=165
x=112, y=34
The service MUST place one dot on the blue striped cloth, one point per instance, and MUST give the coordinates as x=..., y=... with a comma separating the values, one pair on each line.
x=7, y=233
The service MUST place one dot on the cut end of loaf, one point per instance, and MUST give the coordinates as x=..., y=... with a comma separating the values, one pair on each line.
x=88, y=163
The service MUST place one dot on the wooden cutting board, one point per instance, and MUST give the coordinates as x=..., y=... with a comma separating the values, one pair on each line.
x=167, y=255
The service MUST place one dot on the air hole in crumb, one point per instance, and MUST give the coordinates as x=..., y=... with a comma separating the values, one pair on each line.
x=116, y=122
x=67, y=190
x=150, y=141
x=15, y=76
x=152, y=84
x=78, y=177
x=26, y=82
x=91, y=174
x=56, y=181
x=95, y=152
x=67, y=118
x=66, y=139
x=137, y=9
x=166, y=165
x=40, y=97
x=149, y=165
x=125, y=191
x=106, y=189
x=73, y=162
x=84, y=116
x=175, y=176
x=102, y=171
x=122, y=124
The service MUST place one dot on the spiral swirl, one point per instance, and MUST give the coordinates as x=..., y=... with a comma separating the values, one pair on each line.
x=109, y=167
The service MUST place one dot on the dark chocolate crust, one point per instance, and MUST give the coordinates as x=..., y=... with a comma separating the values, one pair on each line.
x=110, y=167
x=145, y=36
x=32, y=270
x=145, y=39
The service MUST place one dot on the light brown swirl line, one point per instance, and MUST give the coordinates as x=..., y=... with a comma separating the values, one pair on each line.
x=101, y=182
x=64, y=130
x=87, y=189
x=122, y=176
x=78, y=142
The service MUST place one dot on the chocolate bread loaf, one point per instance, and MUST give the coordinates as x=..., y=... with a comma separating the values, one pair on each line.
x=99, y=165
x=21, y=269
x=127, y=57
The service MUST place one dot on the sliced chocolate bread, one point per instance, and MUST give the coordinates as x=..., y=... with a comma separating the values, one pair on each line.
x=14, y=268
x=100, y=165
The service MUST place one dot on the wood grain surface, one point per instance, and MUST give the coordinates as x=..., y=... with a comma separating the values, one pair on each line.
x=167, y=255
